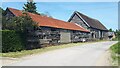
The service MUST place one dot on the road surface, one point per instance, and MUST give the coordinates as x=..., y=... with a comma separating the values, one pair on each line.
x=89, y=54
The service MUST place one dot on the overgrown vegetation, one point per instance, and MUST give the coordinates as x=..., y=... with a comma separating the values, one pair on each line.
x=115, y=49
x=17, y=28
x=21, y=23
x=12, y=41
x=115, y=53
x=18, y=24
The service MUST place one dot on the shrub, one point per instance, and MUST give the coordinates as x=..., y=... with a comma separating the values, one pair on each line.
x=12, y=41
x=115, y=54
x=115, y=39
x=115, y=48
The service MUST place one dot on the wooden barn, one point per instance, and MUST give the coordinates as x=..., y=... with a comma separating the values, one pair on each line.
x=52, y=31
x=96, y=28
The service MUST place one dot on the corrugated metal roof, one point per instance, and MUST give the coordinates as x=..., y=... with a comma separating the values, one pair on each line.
x=49, y=22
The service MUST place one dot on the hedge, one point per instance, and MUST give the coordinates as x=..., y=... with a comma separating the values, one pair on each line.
x=12, y=41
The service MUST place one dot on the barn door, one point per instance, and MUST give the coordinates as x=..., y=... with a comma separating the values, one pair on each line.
x=65, y=37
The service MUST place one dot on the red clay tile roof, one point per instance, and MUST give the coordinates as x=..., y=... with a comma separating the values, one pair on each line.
x=50, y=22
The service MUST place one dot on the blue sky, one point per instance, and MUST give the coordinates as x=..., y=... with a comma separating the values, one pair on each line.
x=62, y=0
x=106, y=12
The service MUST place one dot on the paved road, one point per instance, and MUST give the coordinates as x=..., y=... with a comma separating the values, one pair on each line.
x=86, y=55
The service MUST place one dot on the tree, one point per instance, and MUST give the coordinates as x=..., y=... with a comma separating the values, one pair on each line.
x=21, y=23
x=2, y=17
x=30, y=7
x=118, y=34
x=1, y=11
x=4, y=23
x=110, y=30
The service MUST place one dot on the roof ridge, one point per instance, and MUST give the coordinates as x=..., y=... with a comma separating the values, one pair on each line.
x=87, y=16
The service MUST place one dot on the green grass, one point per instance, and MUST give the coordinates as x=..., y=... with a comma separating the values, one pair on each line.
x=115, y=48
x=115, y=53
x=40, y=50
x=115, y=39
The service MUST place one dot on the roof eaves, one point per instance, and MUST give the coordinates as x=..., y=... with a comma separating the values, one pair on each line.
x=55, y=26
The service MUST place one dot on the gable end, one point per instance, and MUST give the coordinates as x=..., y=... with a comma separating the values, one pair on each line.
x=75, y=18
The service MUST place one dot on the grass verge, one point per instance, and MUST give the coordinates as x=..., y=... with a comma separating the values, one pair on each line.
x=41, y=50
x=115, y=54
x=35, y=51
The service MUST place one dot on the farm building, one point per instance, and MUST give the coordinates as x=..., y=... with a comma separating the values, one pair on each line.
x=52, y=30
x=96, y=28
x=111, y=35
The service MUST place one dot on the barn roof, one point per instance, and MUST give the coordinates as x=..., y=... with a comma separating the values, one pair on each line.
x=91, y=22
x=49, y=22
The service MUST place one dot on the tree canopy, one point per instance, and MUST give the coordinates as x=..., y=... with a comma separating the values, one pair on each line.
x=30, y=6
x=20, y=23
x=110, y=30
x=1, y=11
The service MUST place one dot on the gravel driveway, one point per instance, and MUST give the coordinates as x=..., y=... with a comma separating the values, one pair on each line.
x=89, y=54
